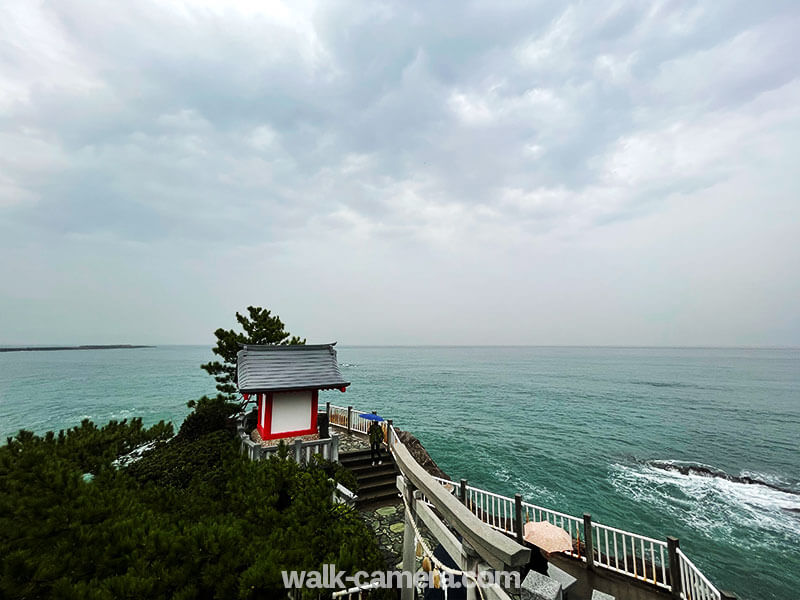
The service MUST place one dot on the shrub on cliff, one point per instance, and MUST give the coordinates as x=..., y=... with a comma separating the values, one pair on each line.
x=191, y=519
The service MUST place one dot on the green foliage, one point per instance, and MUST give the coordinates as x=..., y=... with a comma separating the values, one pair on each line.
x=190, y=519
x=210, y=414
x=336, y=472
x=260, y=327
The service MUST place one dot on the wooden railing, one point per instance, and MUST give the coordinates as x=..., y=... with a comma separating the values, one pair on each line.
x=338, y=416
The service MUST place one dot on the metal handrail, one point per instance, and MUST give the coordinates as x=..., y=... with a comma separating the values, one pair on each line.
x=652, y=553
x=695, y=585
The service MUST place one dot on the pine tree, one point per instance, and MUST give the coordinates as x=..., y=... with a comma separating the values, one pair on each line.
x=261, y=327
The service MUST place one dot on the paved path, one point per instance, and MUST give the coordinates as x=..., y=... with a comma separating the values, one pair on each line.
x=350, y=442
x=388, y=523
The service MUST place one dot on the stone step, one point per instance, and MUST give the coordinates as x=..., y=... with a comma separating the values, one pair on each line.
x=377, y=474
x=361, y=462
x=367, y=470
x=377, y=485
x=354, y=454
x=353, y=460
x=376, y=497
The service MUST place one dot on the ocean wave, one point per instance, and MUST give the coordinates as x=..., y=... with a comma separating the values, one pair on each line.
x=536, y=494
x=124, y=413
x=714, y=505
x=701, y=470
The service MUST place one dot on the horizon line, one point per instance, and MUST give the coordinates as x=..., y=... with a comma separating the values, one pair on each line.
x=475, y=345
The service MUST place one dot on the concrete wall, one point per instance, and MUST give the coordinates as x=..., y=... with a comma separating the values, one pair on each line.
x=619, y=586
x=291, y=411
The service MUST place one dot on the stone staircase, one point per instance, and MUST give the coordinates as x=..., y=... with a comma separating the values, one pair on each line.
x=376, y=485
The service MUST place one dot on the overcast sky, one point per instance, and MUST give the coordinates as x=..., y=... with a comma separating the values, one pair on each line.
x=408, y=173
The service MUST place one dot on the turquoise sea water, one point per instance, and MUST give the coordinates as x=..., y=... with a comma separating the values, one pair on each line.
x=575, y=429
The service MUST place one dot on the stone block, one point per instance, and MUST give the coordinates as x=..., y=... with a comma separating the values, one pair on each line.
x=565, y=579
x=536, y=586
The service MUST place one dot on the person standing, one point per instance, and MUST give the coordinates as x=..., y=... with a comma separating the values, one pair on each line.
x=375, y=440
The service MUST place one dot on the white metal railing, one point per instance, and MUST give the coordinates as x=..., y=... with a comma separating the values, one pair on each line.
x=359, y=592
x=628, y=553
x=695, y=585
x=343, y=495
x=572, y=525
x=493, y=509
x=357, y=423
x=451, y=486
x=498, y=512
x=340, y=415
x=631, y=554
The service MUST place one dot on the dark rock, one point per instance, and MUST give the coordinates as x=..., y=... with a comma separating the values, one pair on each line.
x=419, y=453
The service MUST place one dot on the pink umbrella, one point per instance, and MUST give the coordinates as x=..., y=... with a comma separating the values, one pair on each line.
x=547, y=536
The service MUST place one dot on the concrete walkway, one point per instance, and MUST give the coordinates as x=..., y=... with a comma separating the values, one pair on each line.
x=351, y=442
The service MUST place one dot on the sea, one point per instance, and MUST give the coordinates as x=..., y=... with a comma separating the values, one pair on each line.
x=698, y=443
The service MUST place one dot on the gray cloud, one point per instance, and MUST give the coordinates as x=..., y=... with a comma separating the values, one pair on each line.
x=385, y=172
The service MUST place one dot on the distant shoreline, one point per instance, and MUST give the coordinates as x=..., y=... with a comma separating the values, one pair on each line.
x=54, y=348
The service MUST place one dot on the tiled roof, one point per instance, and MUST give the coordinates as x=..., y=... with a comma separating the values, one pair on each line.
x=273, y=368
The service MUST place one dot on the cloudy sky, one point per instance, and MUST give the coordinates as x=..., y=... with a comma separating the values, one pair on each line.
x=401, y=173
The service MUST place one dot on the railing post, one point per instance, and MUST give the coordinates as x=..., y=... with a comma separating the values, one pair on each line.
x=328, y=410
x=349, y=417
x=334, y=448
x=471, y=562
x=587, y=532
x=518, y=528
x=409, y=547
x=389, y=434
x=462, y=492
x=298, y=452
x=674, y=567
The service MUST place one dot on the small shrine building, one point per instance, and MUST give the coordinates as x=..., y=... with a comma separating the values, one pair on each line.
x=285, y=382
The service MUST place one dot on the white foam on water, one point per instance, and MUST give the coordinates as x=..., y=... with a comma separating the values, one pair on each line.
x=535, y=494
x=714, y=506
x=133, y=455
x=125, y=413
